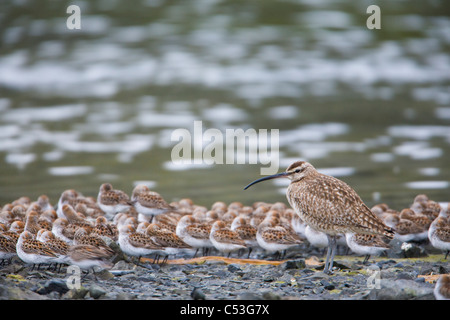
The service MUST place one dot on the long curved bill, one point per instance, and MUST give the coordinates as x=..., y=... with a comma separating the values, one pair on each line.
x=277, y=175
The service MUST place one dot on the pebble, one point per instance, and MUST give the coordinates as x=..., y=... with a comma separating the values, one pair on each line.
x=397, y=278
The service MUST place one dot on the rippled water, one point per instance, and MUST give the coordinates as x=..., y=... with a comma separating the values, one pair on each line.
x=81, y=107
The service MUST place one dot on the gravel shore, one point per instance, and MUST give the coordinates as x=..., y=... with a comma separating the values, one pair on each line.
x=407, y=272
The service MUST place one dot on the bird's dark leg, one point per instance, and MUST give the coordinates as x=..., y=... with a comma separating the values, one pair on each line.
x=366, y=259
x=249, y=251
x=330, y=254
x=446, y=254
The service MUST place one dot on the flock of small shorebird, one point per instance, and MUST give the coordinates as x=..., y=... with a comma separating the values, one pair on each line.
x=324, y=211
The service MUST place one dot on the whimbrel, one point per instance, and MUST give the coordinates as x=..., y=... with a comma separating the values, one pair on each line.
x=329, y=205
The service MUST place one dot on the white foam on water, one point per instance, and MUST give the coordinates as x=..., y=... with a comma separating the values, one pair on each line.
x=382, y=157
x=418, y=150
x=7, y=131
x=429, y=171
x=224, y=113
x=312, y=132
x=338, y=171
x=51, y=156
x=173, y=166
x=70, y=170
x=133, y=144
x=427, y=185
x=325, y=19
x=419, y=132
x=283, y=112
x=44, y=114
x=443, y=113
x=151, y=119
x=317, y=150
x=149, y=183
x=20, y=160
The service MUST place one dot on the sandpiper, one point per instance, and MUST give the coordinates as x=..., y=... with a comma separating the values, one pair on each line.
x=8, y=240
x=246, y=232
x=442, y=288
x=149, y=203
x=419, y=219
x=194, y=234
x=63, y=230
x=112, y=201
x=75, y=219
x=33, y=251
x=7, y=248
x=44, y=202
x=87, y=257
x=67, y=197
x=105, y=229
x=167, y=239
x=31, y=223
x=137, y=244
x=439, y=234
x=274, y=238
x=83, y=237
x=406, y=230
x=366, y=244
x=224, y=239
x=60, y=247
x=329, y=205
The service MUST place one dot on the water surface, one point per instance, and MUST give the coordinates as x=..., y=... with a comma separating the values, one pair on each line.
x=82, y=107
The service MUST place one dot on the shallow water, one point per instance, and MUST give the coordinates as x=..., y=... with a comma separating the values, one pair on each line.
x=82, y=107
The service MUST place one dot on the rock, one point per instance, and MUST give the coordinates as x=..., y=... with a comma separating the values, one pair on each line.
x=294, y=264
x=197, y=294
x=58, y=285
x=96, y=292
x=411, y=250
x=79, y=293
x=118, y=296
x=269, y=278
x=327, y=285
x=14, y=293
x=405, y=276
x=401, y=249
x=269, y=295
x=234, y=267
x=104, y=275
x=402, y=290
x=249, y=296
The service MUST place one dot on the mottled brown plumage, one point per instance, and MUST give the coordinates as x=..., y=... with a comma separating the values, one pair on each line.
x=149, y=203
x=31, y=222
x=328, y=205
x=246, y=231
x=82, y=237
x=419, y=219
x=112, y=201
x=164, y=237
x=442, y=288
x=105, y=229
x=224, y=239
x=57, y=245
x=75, y=219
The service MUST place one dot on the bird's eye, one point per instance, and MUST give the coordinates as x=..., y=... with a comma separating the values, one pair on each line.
x=298, y=170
